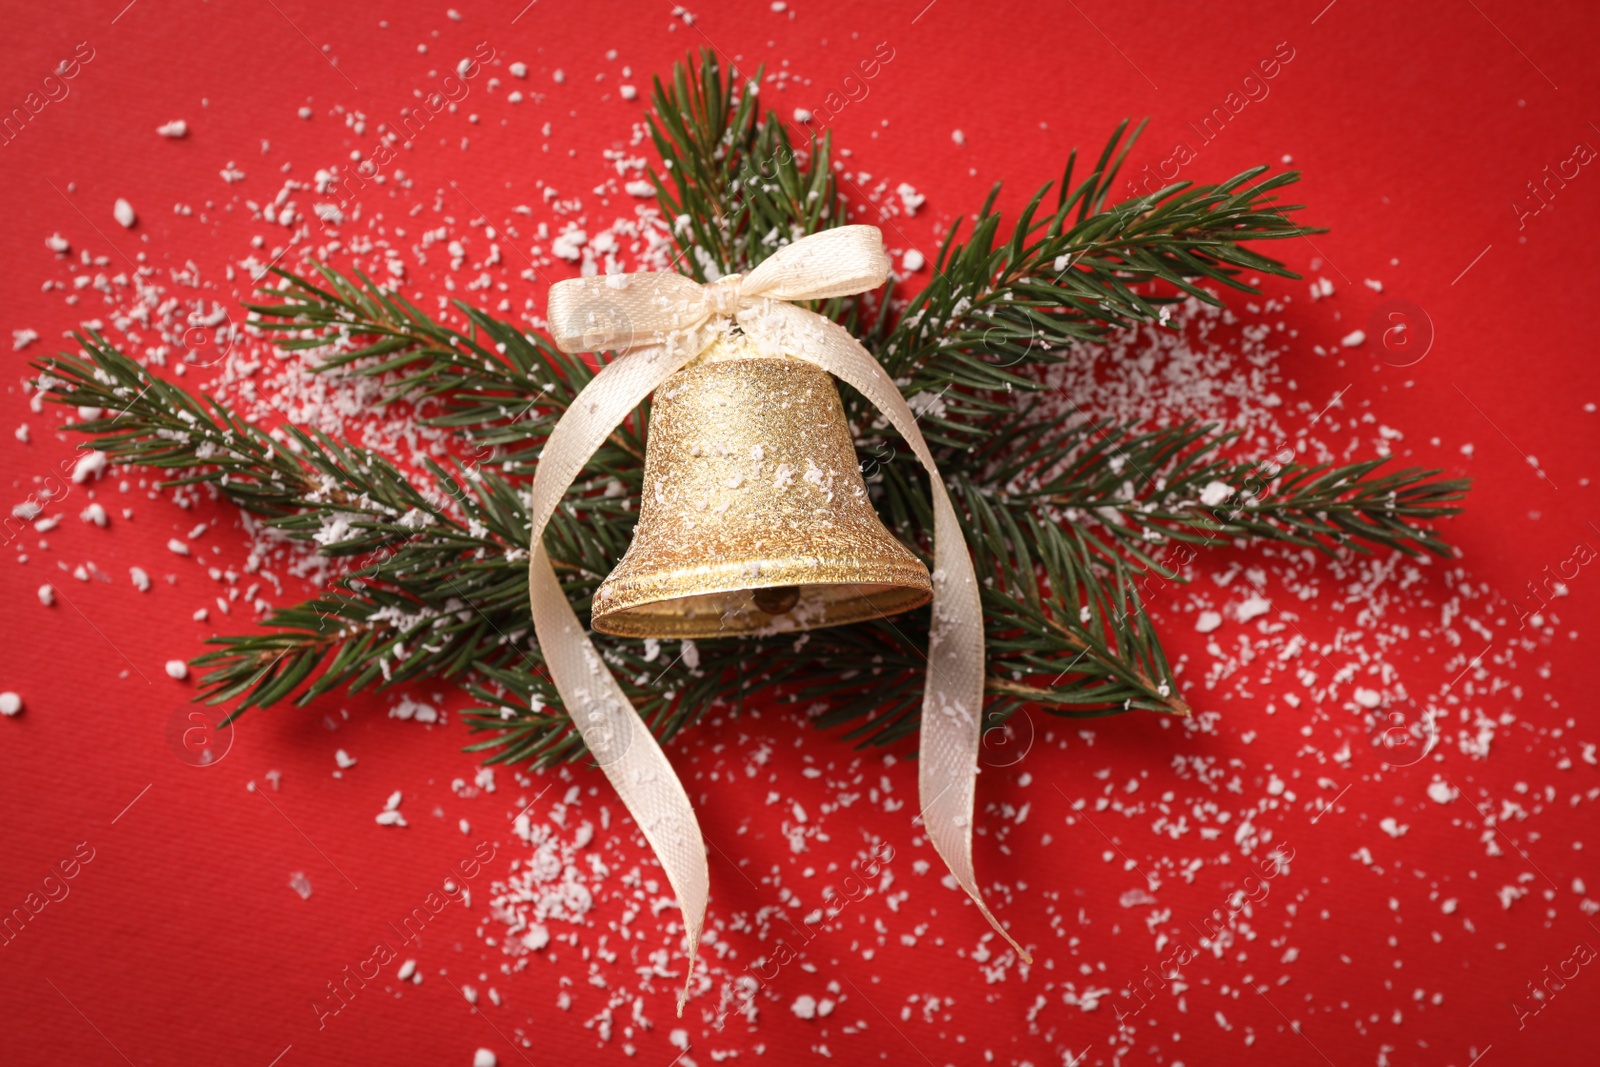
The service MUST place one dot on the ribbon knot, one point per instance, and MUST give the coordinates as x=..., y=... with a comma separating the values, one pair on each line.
x=723, y=295
x=658, y=323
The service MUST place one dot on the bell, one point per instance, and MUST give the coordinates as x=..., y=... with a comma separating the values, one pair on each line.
x=754, y=517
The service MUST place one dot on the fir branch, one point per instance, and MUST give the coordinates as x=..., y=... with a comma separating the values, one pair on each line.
x=1081, y=271
x=349, y=501
x=437, y=584
x=1142, y=488
x=1064, y=628
x=1078, y=637
x=735, y=188
x=502, y=389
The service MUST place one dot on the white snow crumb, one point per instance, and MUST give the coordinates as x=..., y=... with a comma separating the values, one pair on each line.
x=123, y=211
x=414, y=709
x=466, y=827
x=484, y=1058
x=90, y=465
x=201, y=615
x=913, y=261
x=559, y=76
x=21, y=339
x=569, y=245
x=910, y=199
x=407, y=969
x=10, y=704
x=518, y=70
x=47, y=595
x=45, y=525
x=304, y=112
x=1394, y=829
x=175, y=128
x=536, y=938
x=344, y=760
x=1367, y=698
x=140, y=579
x=1441, y=792
x=958, y=137
x=825, y=1007
x=178, y=669
x=1372, y=283
x=1208, y=621
x=801, y=115
x=629, y=92
x=26, y=510
x=1448, y=906
x=22, y=433
x=300, y=884
x=1256, y=605
x=180, y=547
x=804, y=1006
x=57, y=243
x=1135, y=897
x=390, y=816
x=1215, y=493
x=1353, y=338
x=94, y=513
x=679, y=1039
x=640, y=188
x=454, y=16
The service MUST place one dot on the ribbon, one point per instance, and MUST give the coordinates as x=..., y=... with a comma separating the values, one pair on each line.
x=657, y=323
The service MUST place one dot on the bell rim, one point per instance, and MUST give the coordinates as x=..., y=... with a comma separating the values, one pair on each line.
x=625, y=611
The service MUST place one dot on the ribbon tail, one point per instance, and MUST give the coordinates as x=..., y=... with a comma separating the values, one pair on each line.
x=622, y=745
x=952, y=703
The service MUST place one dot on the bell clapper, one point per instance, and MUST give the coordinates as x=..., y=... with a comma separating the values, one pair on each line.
x=777, y=600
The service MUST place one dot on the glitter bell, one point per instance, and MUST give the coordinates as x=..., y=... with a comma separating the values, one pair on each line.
x=754, y=516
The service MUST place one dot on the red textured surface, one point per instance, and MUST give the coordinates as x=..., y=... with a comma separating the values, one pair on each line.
x=1416, y=125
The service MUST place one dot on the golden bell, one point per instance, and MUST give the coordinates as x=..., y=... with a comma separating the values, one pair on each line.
x=754, y=517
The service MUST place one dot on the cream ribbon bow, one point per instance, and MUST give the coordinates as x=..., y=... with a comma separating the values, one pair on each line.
x=657, y=323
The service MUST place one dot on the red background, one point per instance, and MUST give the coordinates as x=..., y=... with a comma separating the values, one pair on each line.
x=1416, y=126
